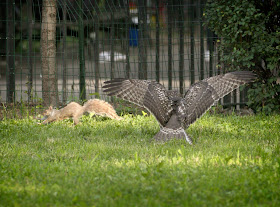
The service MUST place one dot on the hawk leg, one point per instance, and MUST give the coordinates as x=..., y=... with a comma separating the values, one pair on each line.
x=166, y=134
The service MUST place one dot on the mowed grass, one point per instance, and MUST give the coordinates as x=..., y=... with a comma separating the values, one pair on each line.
x=235, y=161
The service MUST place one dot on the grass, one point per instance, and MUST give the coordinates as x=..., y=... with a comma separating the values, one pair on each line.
x=235, y=161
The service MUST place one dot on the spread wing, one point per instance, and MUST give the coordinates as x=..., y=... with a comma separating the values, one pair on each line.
x=149, y=94
x=204, y=94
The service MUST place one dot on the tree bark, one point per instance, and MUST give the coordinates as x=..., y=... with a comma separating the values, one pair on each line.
x=48, y=53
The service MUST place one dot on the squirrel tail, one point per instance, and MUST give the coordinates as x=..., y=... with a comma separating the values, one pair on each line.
x=101, y=108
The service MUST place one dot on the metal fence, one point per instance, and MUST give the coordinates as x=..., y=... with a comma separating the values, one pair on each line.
x=97, y=40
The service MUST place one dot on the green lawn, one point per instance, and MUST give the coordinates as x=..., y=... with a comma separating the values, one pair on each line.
x=235, y=161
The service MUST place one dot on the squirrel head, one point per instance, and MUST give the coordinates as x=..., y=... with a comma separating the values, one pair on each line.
x=48, y=112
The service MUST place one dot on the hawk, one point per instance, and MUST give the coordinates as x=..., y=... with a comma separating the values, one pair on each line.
x=173, y=112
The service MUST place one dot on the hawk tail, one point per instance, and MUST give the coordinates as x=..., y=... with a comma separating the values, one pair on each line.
x=166, y=134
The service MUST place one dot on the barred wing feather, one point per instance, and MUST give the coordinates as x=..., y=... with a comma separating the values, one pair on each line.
x=204, y=94
x=224, y=84
x=148, y=94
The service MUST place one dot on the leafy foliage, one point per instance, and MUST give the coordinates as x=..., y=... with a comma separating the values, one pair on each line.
x=250, y=32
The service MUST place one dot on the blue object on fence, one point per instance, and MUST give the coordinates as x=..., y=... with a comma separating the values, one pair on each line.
x=133, y=37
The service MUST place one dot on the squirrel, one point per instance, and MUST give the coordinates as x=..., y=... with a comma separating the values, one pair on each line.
x=75, y=110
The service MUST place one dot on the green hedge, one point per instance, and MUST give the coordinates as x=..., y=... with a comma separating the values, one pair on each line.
x=250, y=32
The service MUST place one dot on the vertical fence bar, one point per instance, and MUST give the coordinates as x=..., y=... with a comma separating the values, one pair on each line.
x=181, y=48
x=96, y=53
x=142, y=17
x=30, y=55
x=192, y=74
x=211, y=51
x=231, y=100
x=237, y=99
x=169, y=28
x=64, y=70
x=127, y=28
x=112, y=45
x=10, y=50
x=81, y=52
x=219, y=68
x=201, y=77
x=157, y=40
x=112, y=56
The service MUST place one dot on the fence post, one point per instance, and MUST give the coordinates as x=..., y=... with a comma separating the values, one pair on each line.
x=201, y=41
x=192, y=72
x=238, y=99
x=169, y=25
x=10, y=50
x=96, y=54
x=127, y=71
x=211, y=51
x=231, y=100
x=181, y=48
x=81, y=52
x=157, y=40
x=30, y=55
x=219, y=67
x=64, y=70
x=142, y=17
x=112, y=56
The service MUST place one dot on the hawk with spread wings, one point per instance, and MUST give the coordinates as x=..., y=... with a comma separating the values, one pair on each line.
x=173, y=112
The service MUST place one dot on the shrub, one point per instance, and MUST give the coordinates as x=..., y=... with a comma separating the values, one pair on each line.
x=250, y=31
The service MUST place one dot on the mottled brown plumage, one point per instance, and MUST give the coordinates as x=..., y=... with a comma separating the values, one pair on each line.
x=173, y=112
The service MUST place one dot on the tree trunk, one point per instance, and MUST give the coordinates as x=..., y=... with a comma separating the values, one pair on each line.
x=48, y=53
